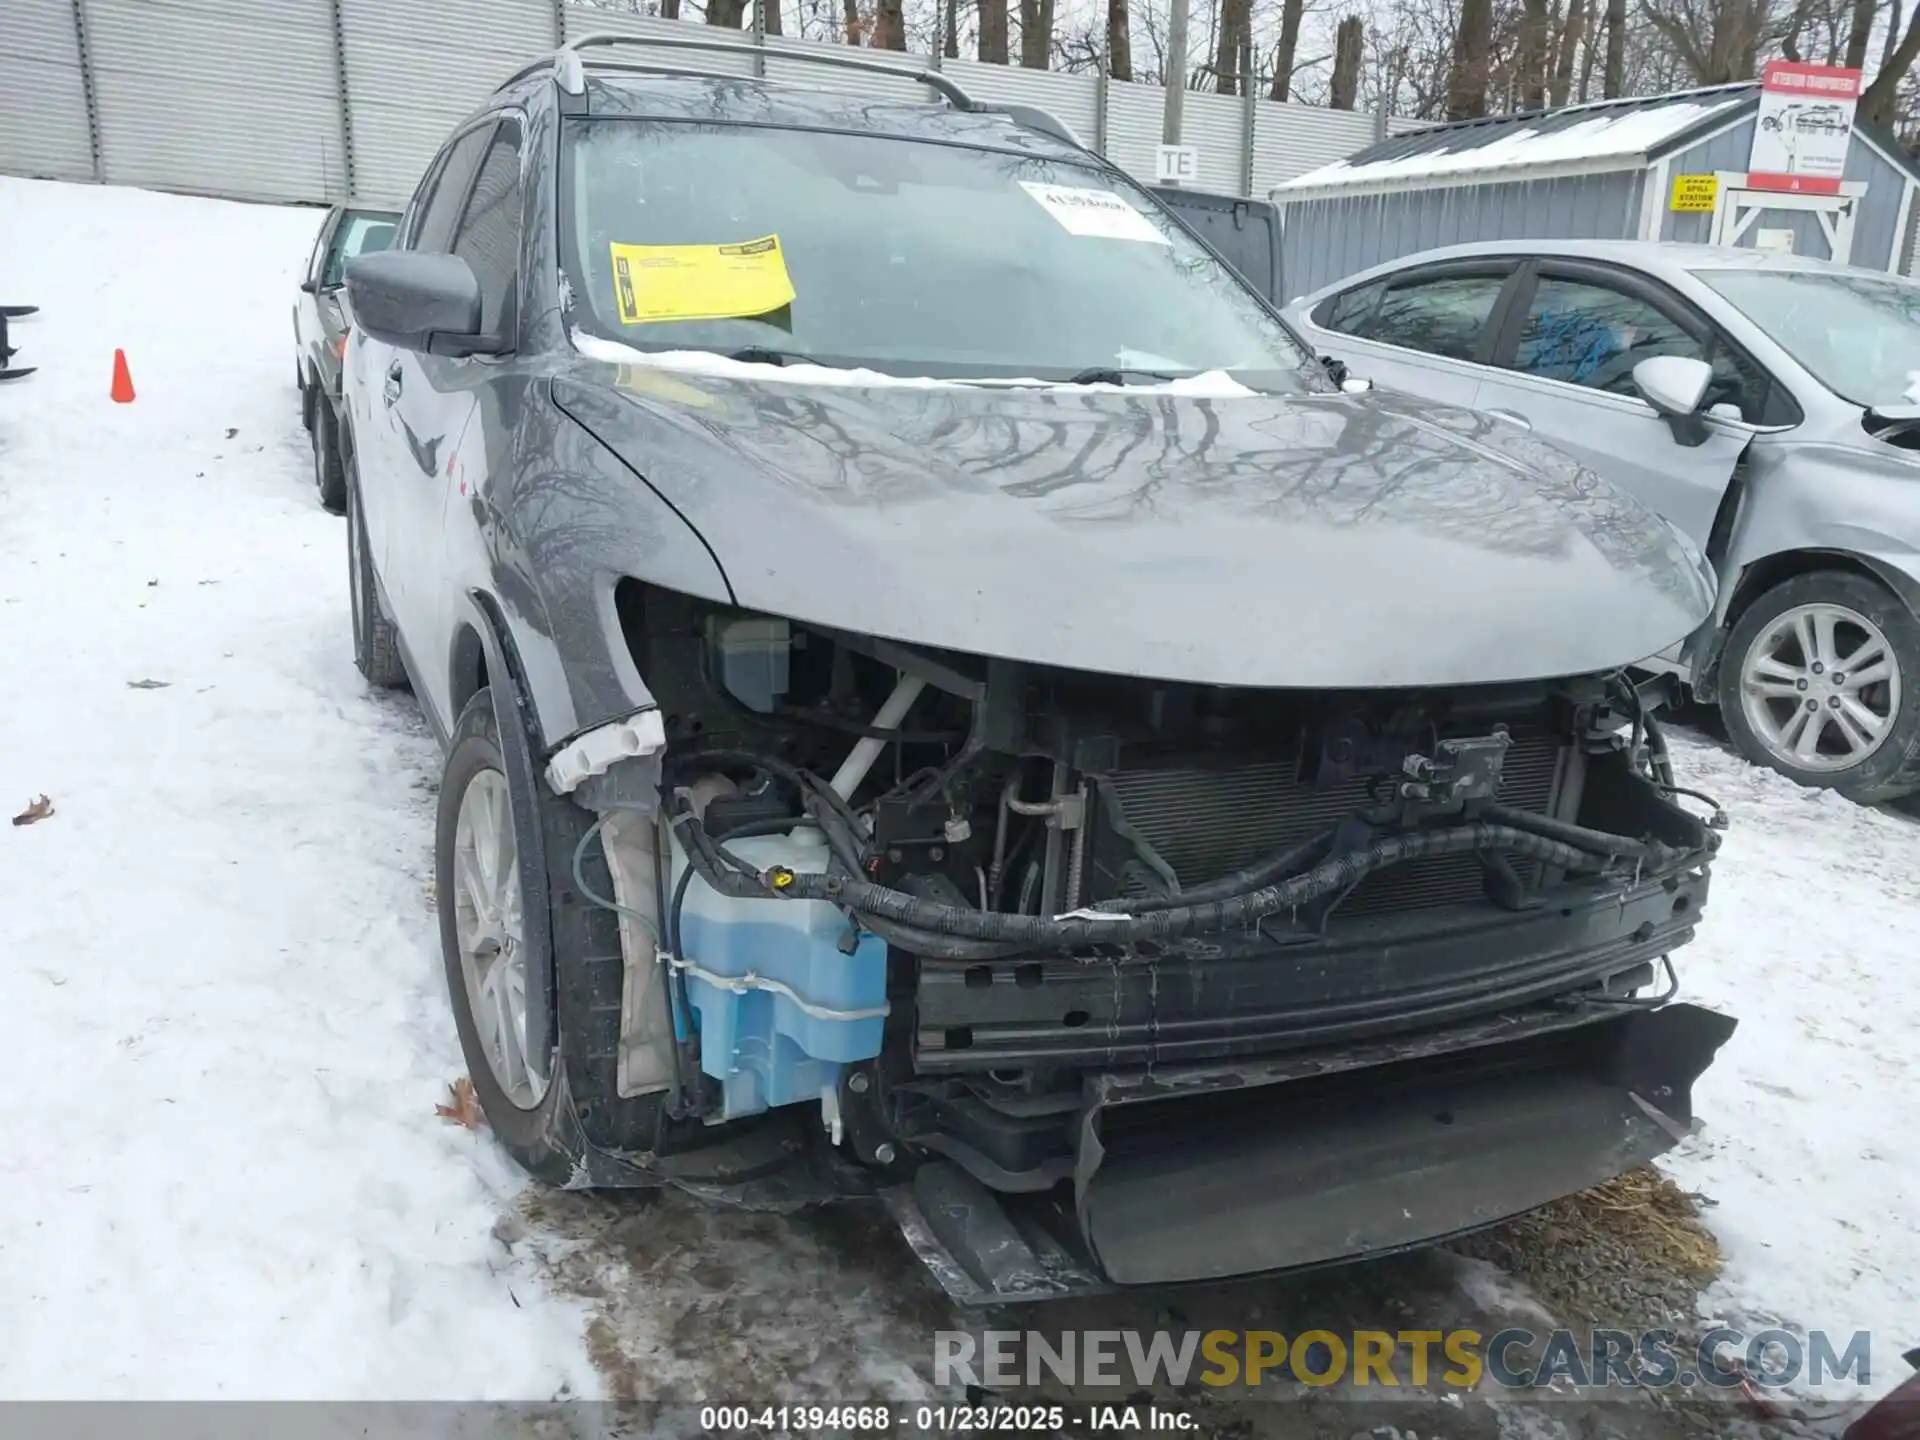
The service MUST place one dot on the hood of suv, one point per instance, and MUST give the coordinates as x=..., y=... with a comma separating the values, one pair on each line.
x=1324, y=541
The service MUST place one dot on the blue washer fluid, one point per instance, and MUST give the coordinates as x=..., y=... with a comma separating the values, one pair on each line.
x=764, y=1049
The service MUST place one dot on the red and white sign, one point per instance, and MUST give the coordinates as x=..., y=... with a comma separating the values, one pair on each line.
x=1804, y=128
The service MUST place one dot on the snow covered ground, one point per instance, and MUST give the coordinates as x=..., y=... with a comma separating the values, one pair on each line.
x=226, y=1024
x=223, y=1174
x=1810, y=1154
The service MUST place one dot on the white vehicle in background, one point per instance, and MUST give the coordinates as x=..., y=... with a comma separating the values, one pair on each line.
x=1768, y=405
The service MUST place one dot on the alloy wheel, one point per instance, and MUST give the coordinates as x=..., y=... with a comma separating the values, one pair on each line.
x=487, y=922
x=1821, y=687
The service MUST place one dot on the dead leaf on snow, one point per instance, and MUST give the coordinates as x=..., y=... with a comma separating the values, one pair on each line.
x=465, y=1107
x=148, y=684
x=232, y=430
x=38, y=808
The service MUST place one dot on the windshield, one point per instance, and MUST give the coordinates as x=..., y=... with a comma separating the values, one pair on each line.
x=1858, y=335
x=359, y=233
x=902, y=256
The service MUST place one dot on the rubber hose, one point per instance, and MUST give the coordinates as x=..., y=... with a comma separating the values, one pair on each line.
x=1620, y=847
x=1235, y=913
x=1227, y=886
x=1659, y=759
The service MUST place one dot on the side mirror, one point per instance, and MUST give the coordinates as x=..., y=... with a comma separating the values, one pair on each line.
x=1336, y=369
x=1675, y=386
x=415, y=301
x=309, y=287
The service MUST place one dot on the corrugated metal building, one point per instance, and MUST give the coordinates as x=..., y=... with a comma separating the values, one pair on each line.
x=1599, y=171
x=330, y=99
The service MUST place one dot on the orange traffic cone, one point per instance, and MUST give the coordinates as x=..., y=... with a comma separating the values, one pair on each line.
x=122, y=380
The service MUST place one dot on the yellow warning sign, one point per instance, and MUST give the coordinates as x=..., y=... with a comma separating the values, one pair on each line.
x=1694, y=194
x=700, y=282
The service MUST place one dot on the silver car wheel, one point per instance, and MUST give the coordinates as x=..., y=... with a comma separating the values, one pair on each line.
x=1821, y=688
x=487, y=921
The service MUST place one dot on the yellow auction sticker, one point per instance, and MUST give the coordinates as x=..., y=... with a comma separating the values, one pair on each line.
x=700, y=282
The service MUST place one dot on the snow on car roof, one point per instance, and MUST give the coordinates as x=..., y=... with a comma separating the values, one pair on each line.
x=1573, y=134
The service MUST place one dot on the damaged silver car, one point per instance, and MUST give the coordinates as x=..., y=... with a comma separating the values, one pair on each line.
x=946, y=704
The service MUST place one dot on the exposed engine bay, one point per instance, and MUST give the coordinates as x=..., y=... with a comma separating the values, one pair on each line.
x=1104, y=980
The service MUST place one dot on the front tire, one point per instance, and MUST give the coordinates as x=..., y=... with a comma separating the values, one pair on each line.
x=484, y=896
x=1820, y=681
x=540, y=1037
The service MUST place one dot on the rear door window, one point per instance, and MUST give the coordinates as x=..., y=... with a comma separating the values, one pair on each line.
x=1582, y=330
x=489, y=239
x=434, y=223
x=1584, y=333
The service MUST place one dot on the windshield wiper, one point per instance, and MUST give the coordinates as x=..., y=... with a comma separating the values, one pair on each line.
x=767, y=355
x=1110, y=375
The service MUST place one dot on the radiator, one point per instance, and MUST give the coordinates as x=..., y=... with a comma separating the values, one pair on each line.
x=1207, y=821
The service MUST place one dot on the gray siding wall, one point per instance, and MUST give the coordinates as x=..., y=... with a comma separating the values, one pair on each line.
x=326, y=99
x=1873, y=228
x=1324, y=240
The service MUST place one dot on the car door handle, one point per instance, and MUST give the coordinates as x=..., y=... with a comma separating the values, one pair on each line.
x=392, y=389
x=1512, y=417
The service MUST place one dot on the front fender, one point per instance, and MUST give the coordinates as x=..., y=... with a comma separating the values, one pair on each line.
x=562, y=523
x=1826, y=499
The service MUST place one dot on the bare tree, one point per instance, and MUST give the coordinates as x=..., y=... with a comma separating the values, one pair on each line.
x=853, y=24
x=1408, y=67
x=1036, y=33
x=889, y=25
x=1291, y=13
x=1572, y=31
x=1232, y=39
x=770, y=17
x=1615, y=80
x=1472, y=61
x=1722, y=40
x=1348, y=44
x=1589, y=52
x=1879, y=102
x=726, y=13
x=993, y=30
x=950, y=41
x=1530, y=60
x=1119, y=41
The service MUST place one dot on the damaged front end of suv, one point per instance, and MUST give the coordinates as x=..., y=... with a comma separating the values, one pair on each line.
x=947, y=703
x=1100, y=980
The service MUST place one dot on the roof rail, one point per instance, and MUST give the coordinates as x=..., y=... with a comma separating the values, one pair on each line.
x=568, y=65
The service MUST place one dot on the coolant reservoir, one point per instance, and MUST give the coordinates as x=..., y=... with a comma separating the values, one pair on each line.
x=764, y=1047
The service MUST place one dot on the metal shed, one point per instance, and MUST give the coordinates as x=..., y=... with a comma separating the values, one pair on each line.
x=1597, y=171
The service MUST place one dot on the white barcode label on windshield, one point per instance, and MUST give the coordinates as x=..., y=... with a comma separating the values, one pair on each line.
x=1098, y=213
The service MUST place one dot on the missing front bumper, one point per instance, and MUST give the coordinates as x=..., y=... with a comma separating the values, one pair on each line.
x=1311, y=1160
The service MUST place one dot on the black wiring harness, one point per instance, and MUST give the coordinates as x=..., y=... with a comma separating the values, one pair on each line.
x=1233, y=903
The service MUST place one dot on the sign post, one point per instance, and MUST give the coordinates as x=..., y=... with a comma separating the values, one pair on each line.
x=1804, y=128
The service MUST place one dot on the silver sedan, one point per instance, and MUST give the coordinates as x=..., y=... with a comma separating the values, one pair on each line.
x=1768, y=406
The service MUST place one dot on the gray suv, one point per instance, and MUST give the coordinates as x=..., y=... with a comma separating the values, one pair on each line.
x=946, y=704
